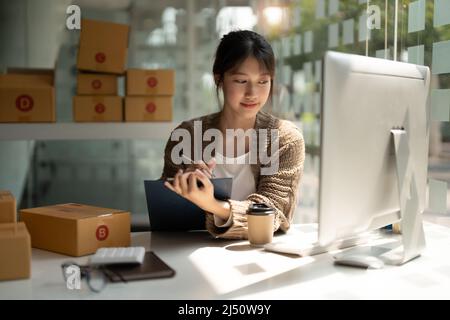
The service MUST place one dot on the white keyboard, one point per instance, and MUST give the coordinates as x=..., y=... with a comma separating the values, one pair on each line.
x=306, y=246
x=120, y=255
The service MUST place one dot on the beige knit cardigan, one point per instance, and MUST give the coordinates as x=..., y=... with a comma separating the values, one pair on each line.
x=279, y=190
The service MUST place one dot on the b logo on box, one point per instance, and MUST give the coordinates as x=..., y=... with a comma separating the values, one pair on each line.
x=96, y=84
x=100, y=108
x=152, y=82
x=102, y=232
x=24, y=103
x=100, y=57
x=151, y=107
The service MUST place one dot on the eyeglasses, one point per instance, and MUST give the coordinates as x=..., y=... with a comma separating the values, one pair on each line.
x=96, y=276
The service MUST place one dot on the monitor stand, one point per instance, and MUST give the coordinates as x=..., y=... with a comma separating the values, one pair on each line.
x=412, y=240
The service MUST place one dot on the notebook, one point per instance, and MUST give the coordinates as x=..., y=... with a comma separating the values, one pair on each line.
x=169, y=211
x=152, y=267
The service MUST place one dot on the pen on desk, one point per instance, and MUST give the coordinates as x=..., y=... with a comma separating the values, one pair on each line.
x=192, y=162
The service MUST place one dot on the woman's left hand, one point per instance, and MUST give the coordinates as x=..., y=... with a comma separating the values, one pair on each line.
x=185, y=184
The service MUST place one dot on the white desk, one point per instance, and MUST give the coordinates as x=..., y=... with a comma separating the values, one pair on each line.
x=217, y=269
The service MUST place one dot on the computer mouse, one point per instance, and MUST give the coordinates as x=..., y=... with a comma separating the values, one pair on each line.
x=360, y=261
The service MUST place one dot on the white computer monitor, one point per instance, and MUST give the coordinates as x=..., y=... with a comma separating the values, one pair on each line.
x=374, y=133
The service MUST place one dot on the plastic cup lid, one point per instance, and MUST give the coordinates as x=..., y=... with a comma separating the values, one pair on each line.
x=260, y=209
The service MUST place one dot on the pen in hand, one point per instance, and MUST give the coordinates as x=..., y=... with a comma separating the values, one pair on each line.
x=190, y=161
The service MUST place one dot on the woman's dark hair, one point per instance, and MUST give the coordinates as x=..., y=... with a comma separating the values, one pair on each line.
x=237, y=46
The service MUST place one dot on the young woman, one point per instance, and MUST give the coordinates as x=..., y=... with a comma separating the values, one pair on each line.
x=244, y=69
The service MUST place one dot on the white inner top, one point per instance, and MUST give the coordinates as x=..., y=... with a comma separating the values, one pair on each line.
x=240, y=170
x=243, y=180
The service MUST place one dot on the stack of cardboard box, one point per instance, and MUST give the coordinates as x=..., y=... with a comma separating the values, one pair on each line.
x=149, y=95
x=27, y=95
x=15, y=244
x=76, y=229
x=103, y=54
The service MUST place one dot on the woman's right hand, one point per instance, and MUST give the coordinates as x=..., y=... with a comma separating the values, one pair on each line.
x=206, y=168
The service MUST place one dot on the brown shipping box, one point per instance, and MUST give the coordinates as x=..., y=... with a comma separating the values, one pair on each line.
x=8, y=211
x=150, y=108
x=15, y=251
x=141, y=82
x=97, y=108
x=76, y=229
x=103, y=46
x=27, y=95
x=93, y=83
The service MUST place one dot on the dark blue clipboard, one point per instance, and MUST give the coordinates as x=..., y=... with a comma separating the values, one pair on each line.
x=169, y=211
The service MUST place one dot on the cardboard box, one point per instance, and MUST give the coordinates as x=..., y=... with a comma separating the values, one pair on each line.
x=150, y=108
x=97, y=109
x=15, y=251
x=8, y=211
x=141, y=82
x=27, y=95
x=93, y=83
x=76, y=229
x=103, y=46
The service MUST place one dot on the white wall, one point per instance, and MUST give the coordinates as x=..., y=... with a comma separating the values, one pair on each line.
x=30, y=33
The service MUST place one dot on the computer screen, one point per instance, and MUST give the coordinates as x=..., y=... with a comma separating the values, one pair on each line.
x=363, y=100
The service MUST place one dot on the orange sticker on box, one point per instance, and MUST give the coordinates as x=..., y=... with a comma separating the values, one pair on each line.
x=152, y=82
x=102, y=232
x=100, y=57
x=100, y=108
x=24, y=103
x=96, y=84
x=151, y=107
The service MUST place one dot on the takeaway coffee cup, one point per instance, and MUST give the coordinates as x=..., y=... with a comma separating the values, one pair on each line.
x=260, y=219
